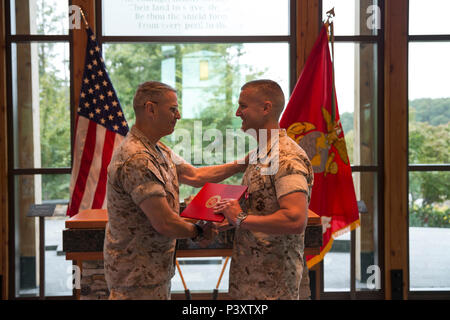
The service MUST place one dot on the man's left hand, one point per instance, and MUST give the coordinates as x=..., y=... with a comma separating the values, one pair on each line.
x=230, y=208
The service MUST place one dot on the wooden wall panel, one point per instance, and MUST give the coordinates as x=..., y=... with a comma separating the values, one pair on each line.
x=396, y=135
x=79, y=46
x=27, y=136
x=3, y=159
x=308, y=23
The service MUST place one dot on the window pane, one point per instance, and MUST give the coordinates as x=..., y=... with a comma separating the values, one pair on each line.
x=58, y=270
x=429, y=232
x=180, y=65
x=46, y=17
x=195, y=17
x=55, y=188
x=337, y=260
x=336, y=270
x=356, y=89
x=367, y=267
x=429, y=103
x=35, y=190
x=354, y=17
x=41, y=110
x=26, y=189
x=428, y=17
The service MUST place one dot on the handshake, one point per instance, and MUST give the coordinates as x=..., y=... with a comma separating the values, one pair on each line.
x=208, y=231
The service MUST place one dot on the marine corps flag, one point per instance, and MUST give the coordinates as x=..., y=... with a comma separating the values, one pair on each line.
x=312, y=120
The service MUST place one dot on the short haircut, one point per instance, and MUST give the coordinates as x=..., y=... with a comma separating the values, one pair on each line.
x=269, y=90
x=150, y=91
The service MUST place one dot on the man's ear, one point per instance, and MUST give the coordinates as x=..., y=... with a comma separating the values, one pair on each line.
x=267, y=107
x=150, y=108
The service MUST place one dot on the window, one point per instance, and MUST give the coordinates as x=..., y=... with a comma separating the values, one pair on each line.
x=429, y=149
x=36, y=17
x=428, y=17
x=348, y=268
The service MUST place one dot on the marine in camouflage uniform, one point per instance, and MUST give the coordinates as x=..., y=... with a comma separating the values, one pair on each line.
x=139, y=261
x=268, y=266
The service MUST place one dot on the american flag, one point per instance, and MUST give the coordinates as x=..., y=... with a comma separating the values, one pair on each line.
x=100, y=126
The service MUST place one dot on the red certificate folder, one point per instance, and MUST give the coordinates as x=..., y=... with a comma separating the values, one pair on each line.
x=201, y=207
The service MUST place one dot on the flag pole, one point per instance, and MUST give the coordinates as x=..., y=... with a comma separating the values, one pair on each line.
x=330, y=25
x=84, y=18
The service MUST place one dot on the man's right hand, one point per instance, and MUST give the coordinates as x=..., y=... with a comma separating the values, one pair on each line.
x=223, y=226
x=209, y=233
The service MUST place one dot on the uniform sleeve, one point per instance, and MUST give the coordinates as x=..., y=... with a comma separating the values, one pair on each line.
x=176, y=159
x=292, y=176
x=141, y=179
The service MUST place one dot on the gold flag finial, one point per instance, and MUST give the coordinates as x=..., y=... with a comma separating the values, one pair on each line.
x=330, y=14
x=329, y=23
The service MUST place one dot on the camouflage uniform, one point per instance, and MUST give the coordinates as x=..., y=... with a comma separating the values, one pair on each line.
x=139, y=261
x=267, y=266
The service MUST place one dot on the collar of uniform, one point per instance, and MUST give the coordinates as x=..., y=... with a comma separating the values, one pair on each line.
x=262, y=146
x=151, y=148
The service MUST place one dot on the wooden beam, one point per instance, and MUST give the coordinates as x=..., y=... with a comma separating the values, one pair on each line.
x=79, y=47
x=396, y=135
x=3, y=159
x=307, y=29
x=28, y=155
x=365, y=141
x=308, y=23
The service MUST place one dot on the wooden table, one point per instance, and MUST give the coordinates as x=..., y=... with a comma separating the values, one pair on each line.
x=88, y=223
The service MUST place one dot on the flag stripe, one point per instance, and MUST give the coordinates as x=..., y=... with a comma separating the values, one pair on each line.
x=313, y=260
x=85, y=166
x=81, y=127
x=74, y=172
x=94, y=171
x=100, y=191
x=117, y=141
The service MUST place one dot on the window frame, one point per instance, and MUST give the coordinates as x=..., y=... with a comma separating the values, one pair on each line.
x=411, y=167
x=13, y=172
x=377, y=169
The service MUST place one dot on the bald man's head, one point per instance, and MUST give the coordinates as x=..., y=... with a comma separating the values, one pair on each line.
x=268, y=90
x=150, y=91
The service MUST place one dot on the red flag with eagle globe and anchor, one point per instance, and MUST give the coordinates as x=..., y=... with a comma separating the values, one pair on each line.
x=312, y=120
